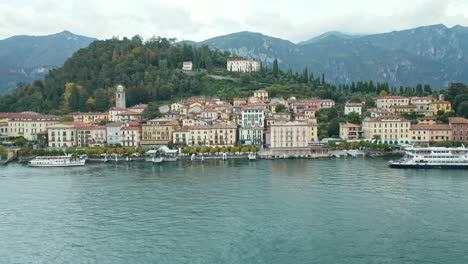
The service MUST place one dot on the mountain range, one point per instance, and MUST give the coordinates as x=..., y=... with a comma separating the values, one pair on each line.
x=435, y=55
x=28, y=58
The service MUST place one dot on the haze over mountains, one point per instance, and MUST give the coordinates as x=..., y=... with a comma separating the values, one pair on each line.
x=28, y=58
x=435, y=55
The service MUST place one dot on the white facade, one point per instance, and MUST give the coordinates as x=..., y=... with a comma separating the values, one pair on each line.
x=243, y=65
x=252, y=117
x=187, y=66
x=251, y=136
x=130, y=136
x=113, y=134
x=350, y=108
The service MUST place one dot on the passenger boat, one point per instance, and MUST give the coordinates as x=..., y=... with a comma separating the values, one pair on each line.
x=433, y=157
x=252, y=156
x=57, y=161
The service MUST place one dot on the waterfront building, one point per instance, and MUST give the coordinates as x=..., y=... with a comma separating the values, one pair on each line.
x=261, y=94
x=440, y=105
x=353, y=108
x=130, y=136
x=120, y=99
x=251, y=136
x=180, y=136
x=62, y=135
x=349, y=131
x=98, y=136
x=90, y=117
x=293, y=134
x=210, y=136
x=240, y=65
x=387, y=101
x=187, y=66
x=28, y=124
x=158, y=132
x=253, y=116
x=392, y=129
x=459, y=126
x=427, y=134
x=113, y=133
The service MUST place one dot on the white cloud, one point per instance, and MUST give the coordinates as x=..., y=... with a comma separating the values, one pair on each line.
x=186, y=19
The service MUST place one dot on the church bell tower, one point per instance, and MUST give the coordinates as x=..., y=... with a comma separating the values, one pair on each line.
x=120, y=97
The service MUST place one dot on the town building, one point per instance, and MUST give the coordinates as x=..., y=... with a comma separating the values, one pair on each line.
x=251, y=136
x=130, y=136
x=459, y=126
x=253, y=116
x=28, y=124
x=440, y=105
x=292, y=134
x=387, y=101
x=428, y=134
x=187, y=66
x=400, y=109
x=113, y=134
x=422, y=103
x=210, y=136
x=349, y=131
x=240, y=65
x=89, y=117
x=353, y=108
x=261, y=95
x=158, y=132
x=392, y=129
x=62, y=135
x=427, y=120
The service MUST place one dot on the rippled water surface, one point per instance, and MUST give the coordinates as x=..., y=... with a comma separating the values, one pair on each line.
x=286, y=211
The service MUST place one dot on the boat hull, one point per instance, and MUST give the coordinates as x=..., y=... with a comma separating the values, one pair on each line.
x=57, y=165
x=427, y=166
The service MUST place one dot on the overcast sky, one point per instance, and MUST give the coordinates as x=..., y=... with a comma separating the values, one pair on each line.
x=294, y=20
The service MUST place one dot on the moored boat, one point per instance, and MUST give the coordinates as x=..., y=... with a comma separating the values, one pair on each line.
x=57, y=161
x=433, y=157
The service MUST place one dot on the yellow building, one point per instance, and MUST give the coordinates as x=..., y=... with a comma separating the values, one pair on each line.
x=29, y=124
x=440, y=105
x=426, y=134
x=158, y=131
x=261, y=95
x=90, y=117
x=210, y=136
x=389, y=128
x=293, y=134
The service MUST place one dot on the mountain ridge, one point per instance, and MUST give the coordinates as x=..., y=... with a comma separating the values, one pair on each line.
x=434, y=54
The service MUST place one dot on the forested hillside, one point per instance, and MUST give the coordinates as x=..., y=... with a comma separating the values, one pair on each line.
x=150, y=71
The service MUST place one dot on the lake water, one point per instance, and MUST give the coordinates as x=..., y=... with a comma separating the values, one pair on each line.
x=282, y=211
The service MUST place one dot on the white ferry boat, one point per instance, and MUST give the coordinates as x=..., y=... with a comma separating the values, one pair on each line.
x=433, y=157
x=57, y=161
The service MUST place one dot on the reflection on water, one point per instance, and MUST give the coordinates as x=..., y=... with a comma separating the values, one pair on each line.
x=278, y=211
